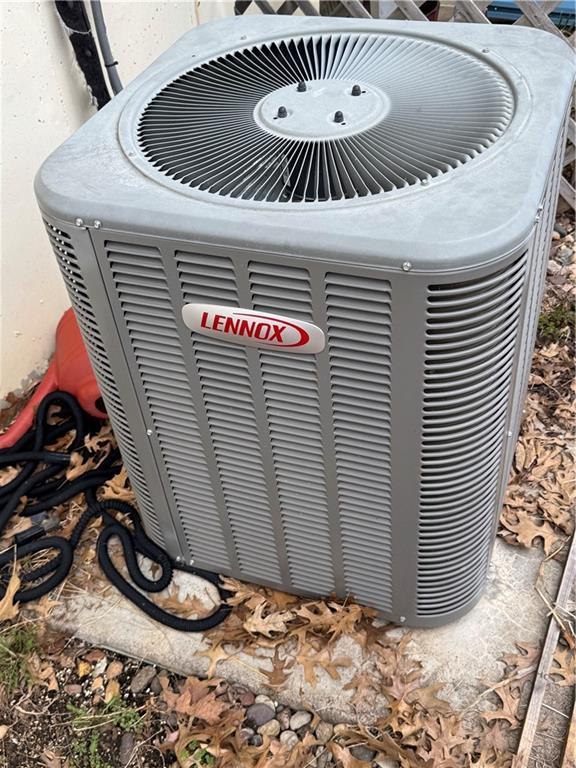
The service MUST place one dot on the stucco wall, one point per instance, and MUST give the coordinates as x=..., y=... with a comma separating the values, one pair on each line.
x=44, y=99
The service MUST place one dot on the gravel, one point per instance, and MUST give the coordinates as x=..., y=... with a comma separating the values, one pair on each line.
x=261, y=699
x=289, y=739
x=283, y=718
x=142, y=679
x=324, y=732
x=258, y=714
x=126, y=748
x=299, y=719
x=363, y=753
x=271, y=728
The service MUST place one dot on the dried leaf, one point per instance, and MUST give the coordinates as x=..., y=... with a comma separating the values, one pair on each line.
x=563, y=670
x=274, y=623
x=50, y=759
x=509, y=696
x=83, y=668
x=345, y=757
x=216, y=654
x=8, y=608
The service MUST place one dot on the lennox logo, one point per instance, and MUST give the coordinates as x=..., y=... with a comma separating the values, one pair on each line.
x=253, y=329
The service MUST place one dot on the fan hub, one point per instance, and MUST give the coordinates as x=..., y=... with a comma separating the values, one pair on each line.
x=326, y=109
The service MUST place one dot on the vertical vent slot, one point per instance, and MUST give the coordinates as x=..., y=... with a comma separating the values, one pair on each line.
x=225, y=379
x=72, y=274
x=292, y=399
x=149, y=317
x=471, y=337
x=359, y=338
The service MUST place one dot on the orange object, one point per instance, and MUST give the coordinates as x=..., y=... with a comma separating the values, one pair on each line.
x=70, y=371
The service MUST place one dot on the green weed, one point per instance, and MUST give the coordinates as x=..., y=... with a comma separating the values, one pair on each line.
x=557, y=325
x=16, y=646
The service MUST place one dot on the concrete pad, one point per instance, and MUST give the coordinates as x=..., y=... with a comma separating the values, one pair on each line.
x=458, y=655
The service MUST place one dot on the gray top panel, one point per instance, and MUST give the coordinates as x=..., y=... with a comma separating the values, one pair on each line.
x=470, y=215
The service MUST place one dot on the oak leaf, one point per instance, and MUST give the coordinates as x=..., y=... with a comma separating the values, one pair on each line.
x=509, y=695
x=273, y=624
x=345, y=757
x=215, y=653
x=564, y=667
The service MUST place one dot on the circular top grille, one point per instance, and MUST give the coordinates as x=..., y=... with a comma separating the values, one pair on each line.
x=324, y=118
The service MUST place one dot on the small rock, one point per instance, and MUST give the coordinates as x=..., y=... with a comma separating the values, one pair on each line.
x=100, y=667
x=271, y=728
x=283, y=718
x=559, y=230
x=261, y=699
x=246, y=733
x=256, y=740
x=114, y=669
x=553, y=267
x=386, y=762
x=556, y=235
x=569, y=238
x=239, y=694
x=362, y=752
x=73, y=690
x=172, y=721
x=324, y=759
x=303, y=730
x=258, y=714
x=324, y=732
x=289, y=739
x=126, y=748
x=299, y=719
x=341, y=728
x=94, y=655
x=156, y=685
x=98, y=684
x=142, y=679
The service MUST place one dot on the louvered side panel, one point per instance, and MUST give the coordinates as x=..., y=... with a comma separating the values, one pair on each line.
x=292, y=398
x=224, y=374
x=537, y=264
x=83, y=310
x=149, y=317
x=471, y=339
x=359, y=338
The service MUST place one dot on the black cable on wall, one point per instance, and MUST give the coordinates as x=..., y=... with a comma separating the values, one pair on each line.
x=77, y=24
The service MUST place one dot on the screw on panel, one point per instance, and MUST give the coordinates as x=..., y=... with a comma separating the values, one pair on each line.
x=149, y=432
x=407, y=266
x=338, y=117
x=97, y=224
x=282, y=112
x=301, y=87
x=79, y=222
x=356, y=90
x=179, y=559
x=485, y=50
x=425, y=182
x=191, y=561
x=402, y=619
x=510, y=434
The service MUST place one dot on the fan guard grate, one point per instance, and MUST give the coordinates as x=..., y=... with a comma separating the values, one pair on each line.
x=419, y=110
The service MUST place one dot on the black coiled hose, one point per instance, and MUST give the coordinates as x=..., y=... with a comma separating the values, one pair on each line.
x=43, y=485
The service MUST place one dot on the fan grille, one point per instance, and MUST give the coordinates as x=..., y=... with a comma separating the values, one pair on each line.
x=421, y=110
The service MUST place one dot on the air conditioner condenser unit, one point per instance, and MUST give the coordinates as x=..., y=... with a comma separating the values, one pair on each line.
x=307, y=256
